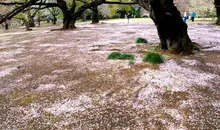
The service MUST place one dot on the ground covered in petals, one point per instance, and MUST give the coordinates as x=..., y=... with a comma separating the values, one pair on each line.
x=63, y=79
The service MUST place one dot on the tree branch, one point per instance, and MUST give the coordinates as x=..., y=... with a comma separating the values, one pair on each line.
x=17, y=10
x=87, y=6
x=12, y=3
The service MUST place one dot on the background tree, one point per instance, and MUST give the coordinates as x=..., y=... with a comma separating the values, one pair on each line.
x=203, y=8
x=54, y=11
x=121, y=12
x=16, y=10
x=135, y=11
x=75, y=11
x=3, y=11
x=28, y=15
x=95, y=15
x=71, y=11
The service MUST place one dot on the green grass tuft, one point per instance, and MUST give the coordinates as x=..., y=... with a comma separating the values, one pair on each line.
x=153, y=58
x=131, y=62
x=121, y=56
x=196, y=47
x=141, y=40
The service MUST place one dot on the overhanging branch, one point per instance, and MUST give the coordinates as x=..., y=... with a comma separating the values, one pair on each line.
x=22, y=3
x=12, y=3
x=17, y=10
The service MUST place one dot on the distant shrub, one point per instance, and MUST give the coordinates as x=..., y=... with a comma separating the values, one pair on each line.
x=122, y=56
x=154, y=58
x=145, y=16
x=81, y=20
x=141, y=40
x=114, y=55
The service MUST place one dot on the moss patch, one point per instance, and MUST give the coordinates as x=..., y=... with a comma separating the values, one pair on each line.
x=154, y=58
x=196, y=46
x=141, y=40
x=121, y=56
x=29, y=99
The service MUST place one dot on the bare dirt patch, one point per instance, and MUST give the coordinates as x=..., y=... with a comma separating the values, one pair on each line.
x=63, y=80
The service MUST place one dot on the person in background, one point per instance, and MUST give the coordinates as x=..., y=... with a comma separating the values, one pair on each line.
x=193, y=15
x=185, y=17
x=129, y=16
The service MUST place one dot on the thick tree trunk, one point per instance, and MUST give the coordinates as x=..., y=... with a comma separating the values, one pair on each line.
x=6, y=25
x=218, y=19
x=95, y=15
x=68, y=21
x=171, y=29
x=217, y=6
x=54, y=21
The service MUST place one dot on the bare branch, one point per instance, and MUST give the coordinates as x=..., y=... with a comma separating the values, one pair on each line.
x=12, y=3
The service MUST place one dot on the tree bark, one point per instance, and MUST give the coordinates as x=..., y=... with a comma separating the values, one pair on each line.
x=68, y=21
x=95, y=15
x=54, y=20
x=31, y=22
x=217, y=6
x=38, y=18
x=69, y=24
x=6, y=25
x=171, y=29
x=27, y=25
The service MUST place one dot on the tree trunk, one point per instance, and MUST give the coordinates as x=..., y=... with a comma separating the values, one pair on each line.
x=68, y=20
x=54, y=20
x=217, y=6
x=72, y=24
x=69, y=23
x=66, y=23
x=171, y=29
x=6, y=25
x=95, y=15
x=38, y=20
x=27, y=25
x=31, y=22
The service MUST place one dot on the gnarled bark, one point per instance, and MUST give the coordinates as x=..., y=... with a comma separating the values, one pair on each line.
x=217, y=6
x=69, y=23
x=171, y=29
